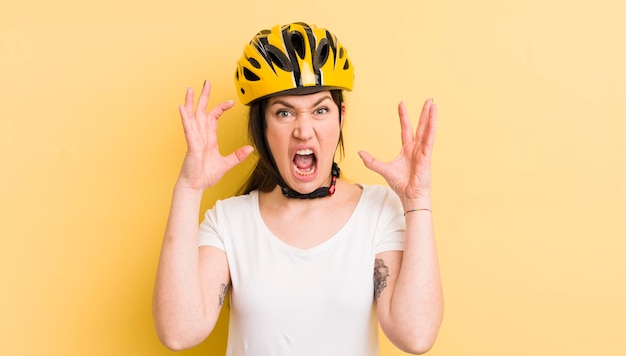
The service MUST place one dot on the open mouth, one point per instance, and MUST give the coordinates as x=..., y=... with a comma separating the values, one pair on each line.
x=304, y=162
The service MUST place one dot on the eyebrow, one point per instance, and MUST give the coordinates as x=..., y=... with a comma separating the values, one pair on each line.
x=281, y=102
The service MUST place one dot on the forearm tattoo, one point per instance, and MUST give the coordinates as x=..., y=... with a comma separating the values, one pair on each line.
x=381, y=272
x=223, y=290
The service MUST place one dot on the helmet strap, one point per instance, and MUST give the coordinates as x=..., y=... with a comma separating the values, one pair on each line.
x=317, y=193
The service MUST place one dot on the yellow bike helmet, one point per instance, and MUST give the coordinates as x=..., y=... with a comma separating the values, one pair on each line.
x=297, y=57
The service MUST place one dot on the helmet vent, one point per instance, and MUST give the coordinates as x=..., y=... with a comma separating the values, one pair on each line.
x=254, y=63
x=298, y=43
x=321, y=54
x=279, y=58
x=249, y=75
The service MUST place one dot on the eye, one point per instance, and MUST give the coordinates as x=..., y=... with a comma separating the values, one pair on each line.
x=282, y=114
x=321, y=111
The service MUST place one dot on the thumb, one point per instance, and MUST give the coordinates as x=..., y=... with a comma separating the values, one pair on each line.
x=370, y=162
x=239, y=155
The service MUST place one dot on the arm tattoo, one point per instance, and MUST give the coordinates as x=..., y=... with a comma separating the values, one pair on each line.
x=381, y=272
x=223, y=290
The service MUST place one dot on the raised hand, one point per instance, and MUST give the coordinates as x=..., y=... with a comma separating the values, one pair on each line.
x=204, y=165
x=409, y=173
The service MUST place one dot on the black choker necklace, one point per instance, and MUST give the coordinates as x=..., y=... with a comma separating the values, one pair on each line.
x=317, y=193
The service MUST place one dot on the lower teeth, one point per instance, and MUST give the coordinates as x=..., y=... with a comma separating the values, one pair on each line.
x=305, y=173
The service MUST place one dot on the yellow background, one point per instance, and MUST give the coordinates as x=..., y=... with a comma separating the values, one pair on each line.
x=529, y=167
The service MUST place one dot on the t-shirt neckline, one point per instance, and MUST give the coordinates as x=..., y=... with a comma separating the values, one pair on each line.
x=328, y=243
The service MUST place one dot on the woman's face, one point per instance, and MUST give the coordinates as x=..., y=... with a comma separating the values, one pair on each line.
x=302, y=135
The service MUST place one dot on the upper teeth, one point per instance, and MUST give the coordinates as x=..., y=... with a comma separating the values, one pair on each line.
x=305, y=152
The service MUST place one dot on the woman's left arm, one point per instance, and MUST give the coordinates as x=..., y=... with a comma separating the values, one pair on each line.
x=407, y=284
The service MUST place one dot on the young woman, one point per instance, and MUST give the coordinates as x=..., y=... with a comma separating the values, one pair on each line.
x=314, y=263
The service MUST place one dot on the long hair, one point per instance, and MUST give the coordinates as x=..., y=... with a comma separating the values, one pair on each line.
x=265, y=176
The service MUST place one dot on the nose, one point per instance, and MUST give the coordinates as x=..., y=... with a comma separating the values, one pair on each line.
x=303, y=127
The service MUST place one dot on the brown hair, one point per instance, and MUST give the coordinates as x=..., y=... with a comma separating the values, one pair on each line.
x=265, y=176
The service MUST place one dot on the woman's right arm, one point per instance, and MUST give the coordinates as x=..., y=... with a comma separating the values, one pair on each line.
x=191, y=281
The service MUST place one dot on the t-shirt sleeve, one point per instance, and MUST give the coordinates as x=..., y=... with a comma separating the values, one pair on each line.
x=209, y=234
x=392, y=228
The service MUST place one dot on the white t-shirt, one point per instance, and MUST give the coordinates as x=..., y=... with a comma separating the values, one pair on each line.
x=287, y=301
